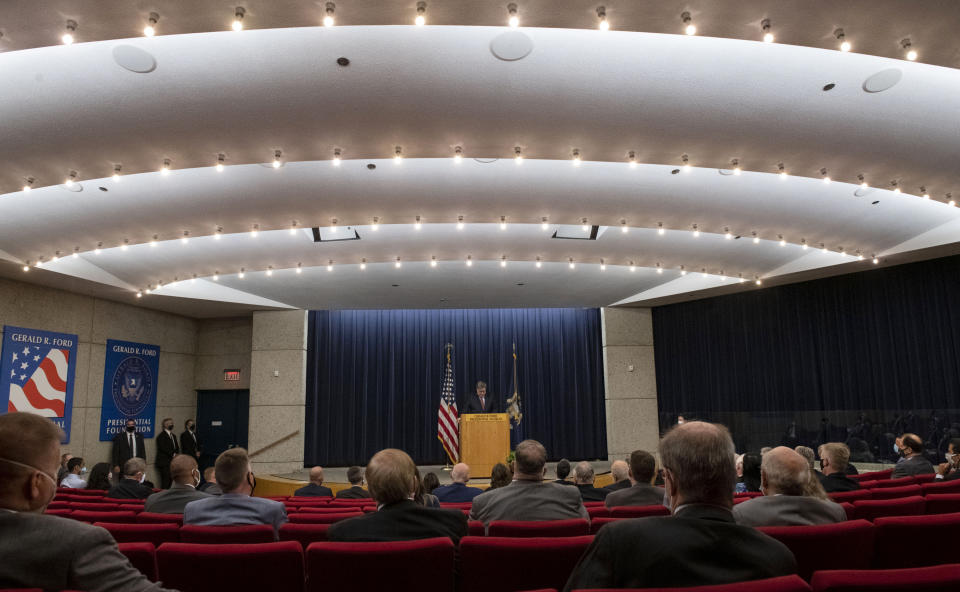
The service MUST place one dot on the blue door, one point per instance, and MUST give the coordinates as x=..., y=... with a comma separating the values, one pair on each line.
x=222, y=421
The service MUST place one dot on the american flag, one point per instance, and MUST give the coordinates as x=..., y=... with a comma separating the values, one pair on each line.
x=448, y=429
x=38, y=383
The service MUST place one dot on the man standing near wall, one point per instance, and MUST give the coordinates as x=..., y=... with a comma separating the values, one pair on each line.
x=127, y=445
x=167, y=448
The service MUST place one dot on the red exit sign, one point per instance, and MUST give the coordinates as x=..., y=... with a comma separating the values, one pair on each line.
x=231, y=375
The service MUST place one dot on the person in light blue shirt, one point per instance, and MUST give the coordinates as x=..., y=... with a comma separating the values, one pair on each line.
x=236, y=506
x=75, y=468
x=458, y=491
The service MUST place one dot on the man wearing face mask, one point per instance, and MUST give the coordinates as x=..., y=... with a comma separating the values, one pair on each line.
x=131, y=485
x=910, y=447
x=189, y=444
x=50, y=552
x=73, y=479
x=235, y=506
x=950, y=470
x=186, y=477
x=168, y=447
x=126, y=445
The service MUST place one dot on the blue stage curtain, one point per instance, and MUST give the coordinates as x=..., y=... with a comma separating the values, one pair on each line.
x=817, y=354
x=374, y=378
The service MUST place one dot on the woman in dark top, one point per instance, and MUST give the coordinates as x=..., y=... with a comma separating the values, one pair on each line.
x=430, y=482
x=99, y=478
x=500, y=476
x=751, y=473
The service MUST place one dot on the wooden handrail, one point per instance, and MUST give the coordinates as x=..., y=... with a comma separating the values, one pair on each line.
x=269, y=446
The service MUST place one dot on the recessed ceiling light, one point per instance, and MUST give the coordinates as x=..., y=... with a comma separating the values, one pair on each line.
x=421, y=19
x=517, y=155
x=336, y=157
x=513, y=19
x=397, y=155
x=911, y=54
x=842, y=38
x=150, y=30
x=67, y=37
x=689, y=28
x=767, y=33
x=238, y=19
x=604, y=24
x=221, y=158
x=328, y=17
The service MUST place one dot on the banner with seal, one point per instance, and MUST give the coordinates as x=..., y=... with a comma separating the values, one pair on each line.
x=129, y=388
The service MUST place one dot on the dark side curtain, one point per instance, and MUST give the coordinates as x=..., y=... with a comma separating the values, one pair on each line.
x=374, y=378
x=850, y=357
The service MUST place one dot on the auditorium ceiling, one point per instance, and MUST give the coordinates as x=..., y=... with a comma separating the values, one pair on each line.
x=376, y=163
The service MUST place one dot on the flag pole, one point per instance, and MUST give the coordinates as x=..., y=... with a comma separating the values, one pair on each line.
x=446, y=457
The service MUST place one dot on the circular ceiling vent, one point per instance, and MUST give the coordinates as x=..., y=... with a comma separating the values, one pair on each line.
x=511, y=46
x=883, y=80
x=725, y=172
x=134, y=59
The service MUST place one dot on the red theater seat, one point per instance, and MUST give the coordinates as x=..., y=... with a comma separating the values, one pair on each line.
x=850, y=496
x=142, y=556
x=157, y=534
x=325, y=510
x=942, y=578
x=425, y=565
x=306, y=518
x=781, y=584
x=597, y=523
x=599, y=512
x=873, y=475
x=59, y=506
x=304, y=533
x=844, y=545
x=115, y=516
x=904, y=506
x=943, y=503
x=593, y=504
x=925, y=478
x=916, y=541
x=539, y=528
x=886, y=493
x=640, y=511
x=348, y=503
x=850, y=510
x=238, y=568
x=457, y=505
x=153, y=518
x=941, y=487
x=492, y=564
x=476, y=528
x=61, y=513
x=227, y=535
x=880, y=484
x=94, y=506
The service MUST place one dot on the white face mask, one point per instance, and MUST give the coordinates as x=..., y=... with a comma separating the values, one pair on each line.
x=42, y=472
x=83, y=470
x=143, y=478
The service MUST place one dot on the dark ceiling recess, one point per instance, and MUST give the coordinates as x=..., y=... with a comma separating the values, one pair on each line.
x=829, y=86
x=343, y=62
x=592, y=236
x=328, y=235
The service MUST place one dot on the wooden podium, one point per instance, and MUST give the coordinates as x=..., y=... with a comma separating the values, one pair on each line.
x=484, y=441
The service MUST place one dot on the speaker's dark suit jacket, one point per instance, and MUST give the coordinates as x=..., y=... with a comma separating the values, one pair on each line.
x=313, y=490
x=355, y=492
x=189, y=444
x=167, y=447
x=472, y=404
x=121, y=449
x=698, y=546
x=402, y=521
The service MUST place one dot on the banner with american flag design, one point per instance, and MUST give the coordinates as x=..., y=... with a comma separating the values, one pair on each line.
x=448, y=426
x=36, y=374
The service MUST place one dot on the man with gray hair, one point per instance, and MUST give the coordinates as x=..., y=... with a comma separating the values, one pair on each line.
x=700, y=544
x=620, y=472
x=784, y=476
x=583, y=476
x=131, y=484
x=458, y=491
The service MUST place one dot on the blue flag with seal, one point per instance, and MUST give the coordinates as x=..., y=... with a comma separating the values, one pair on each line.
x=129, y=388
x=515, y=406
x=36, y=374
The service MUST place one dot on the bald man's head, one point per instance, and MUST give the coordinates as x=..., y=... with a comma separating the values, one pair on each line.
x=182, y=469
x=29, y=460
x=460, y=473
x=316, y=475
x=620, y=470
x=784, y=471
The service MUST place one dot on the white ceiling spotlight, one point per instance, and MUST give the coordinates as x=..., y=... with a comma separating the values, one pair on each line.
x=150, y=30
x=238, y=18
x=397, y=264
x=218, y=233
x=221, y=158
x=825, y=176
x=908, y=47
x=923, y=191
x=503, y=261
x=736, y=166
x=756, y=280
x=876, y=260
x=726, y=233
x=539, y=263
x=513, y=18
x=685, y=162
x=460, y=223
x=116, y=172
x=803, y=244
x=125, y=245
x=863, y=181
x=363, y=263
x=71, y=177
x=469, y=261
x=950, y=201
x=517, y=155
x=604, y=24
x=689, y=28
x=767, y=33
x=26, y=265
x=683, y=270
x=185, y=238
x=330, y=8
x=458, y=155
x=299, y=268
x=336, y=157
x=67, y=37
x=28, y=183
x=154, y=239
x=293, y=228
x=330, y=265
x=397, y=155
x=842, y=38
x=633, y=266
x=859, y=255
x=503, y=222
x=241, y=275
x=603, y=265
x=576, y=157
x=216, y=276
x=421, y=19
x=76, y=252
x=255, y=231
x=584, y=225
x=660, y=229
x=783, y=241
x=99, y=248
x=632, y=159
x=782, y=170
x=570, y=261
x=417, y=224
x=623, y=226
x=165, y=167
x=375, y=226
x=696, y=231
x=269, y=270
x=276, y=159
x=333, y=225
x=433, y=261
x=544, y=225
x=895, y=185
x=659, y=268
x=756, y=239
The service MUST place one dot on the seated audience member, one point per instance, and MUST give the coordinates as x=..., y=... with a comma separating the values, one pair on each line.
x=421, y=497
x=356, y=490
x=834, y=457
x=563, y=471
x=751, y=473
x=807, y=453
x=784, y=476
x=501, y=476
x=620, y=471
x=236, y=506
x=583, y=476
x=765, y=450
x=100, y=477
x=391, y=476
x=50, y=552
x=185, y=476
x=131, y=484
x=700, y=544
x=62, y=471
x=315, y=488
x=910, y=447
x=73, y=480
x=950, y=470
x=210, y=482
x=430, y=482
x=527, y=497
x=458, y=491
x=643, y=468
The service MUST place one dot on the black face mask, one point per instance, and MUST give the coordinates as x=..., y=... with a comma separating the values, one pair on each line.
x=168, y=427
x=191, y=427
x=131, y=429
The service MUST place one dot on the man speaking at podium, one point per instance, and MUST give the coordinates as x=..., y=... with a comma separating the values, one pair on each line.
x=480, y=401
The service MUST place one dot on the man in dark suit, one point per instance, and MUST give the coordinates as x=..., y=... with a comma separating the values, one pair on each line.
x=131, y=485
x=189, y=444
x=356, y=490
x=910, y=447
x=43, y=551
x=186, y=477
x=458, y=491
x=167, y=447
x=620, y=472
x=392, y=478
x=563, y=471
x=315, y=488
x=834, y=457
x=127, y=445
x=583, y=476
x=480, y=401
x=700, y=544
x=643, y=468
